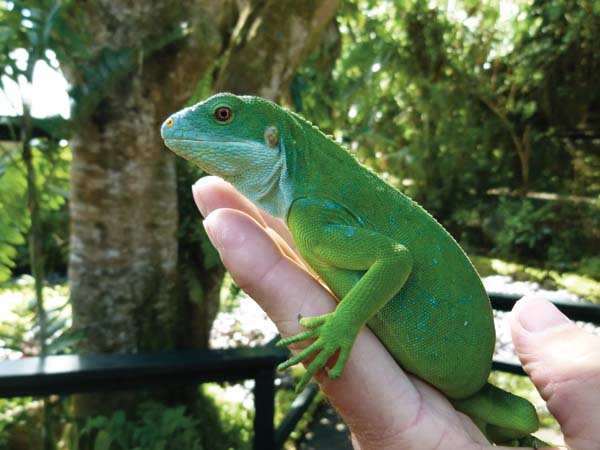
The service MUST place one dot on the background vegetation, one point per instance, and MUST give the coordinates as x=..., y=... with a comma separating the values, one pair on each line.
x=487, y=113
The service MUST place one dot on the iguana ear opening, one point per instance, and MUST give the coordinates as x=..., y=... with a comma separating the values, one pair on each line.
x=272, y=136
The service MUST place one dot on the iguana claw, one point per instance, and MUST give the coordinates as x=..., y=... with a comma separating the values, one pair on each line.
x=329, y=341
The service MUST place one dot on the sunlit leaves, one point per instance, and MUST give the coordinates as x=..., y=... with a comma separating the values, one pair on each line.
x=13, y=220
x=52, y=166
x=465, y=99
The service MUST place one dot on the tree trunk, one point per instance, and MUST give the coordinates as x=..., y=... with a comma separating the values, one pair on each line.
x=270, y=41
x=122, y=266
x=124, y=217
x=123, y=205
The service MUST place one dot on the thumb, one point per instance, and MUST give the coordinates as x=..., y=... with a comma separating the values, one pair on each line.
x=564, y=363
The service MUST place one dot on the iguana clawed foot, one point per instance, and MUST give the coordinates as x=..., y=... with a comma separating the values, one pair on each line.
x=331, y=337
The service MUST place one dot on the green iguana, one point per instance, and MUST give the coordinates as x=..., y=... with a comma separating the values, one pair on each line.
x=391, y=264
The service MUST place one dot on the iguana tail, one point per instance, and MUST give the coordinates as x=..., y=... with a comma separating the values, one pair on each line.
x=503, y=417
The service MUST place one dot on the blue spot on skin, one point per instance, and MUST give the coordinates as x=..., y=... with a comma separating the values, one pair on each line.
x=451, y=311
x=421, y=325
x=423, y=317
x=349, y=233
x=430, y=298
x=435, y=261
x=463, y=301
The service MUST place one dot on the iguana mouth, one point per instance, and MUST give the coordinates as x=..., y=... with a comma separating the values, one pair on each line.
x=209, y=141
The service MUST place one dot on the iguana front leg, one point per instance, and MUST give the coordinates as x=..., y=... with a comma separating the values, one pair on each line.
x=338, y=248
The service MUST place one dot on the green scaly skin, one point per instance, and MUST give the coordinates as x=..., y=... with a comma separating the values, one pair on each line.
x=394, y=267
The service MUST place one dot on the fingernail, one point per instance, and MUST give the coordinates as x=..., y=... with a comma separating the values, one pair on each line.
x=198, y=199
x=540, y=315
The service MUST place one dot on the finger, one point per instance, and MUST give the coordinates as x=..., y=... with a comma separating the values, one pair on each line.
x=564, y=363
x=211, y=193
x=281, y=228
x=373, y=389
x=277, y=283
x=285, y=248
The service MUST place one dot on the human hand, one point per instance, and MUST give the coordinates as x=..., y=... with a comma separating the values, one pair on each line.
x=564, y=363
x=385, y=408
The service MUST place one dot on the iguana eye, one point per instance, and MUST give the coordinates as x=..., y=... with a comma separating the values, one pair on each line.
x=223, y=114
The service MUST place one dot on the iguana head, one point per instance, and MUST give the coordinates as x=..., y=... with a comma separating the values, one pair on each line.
x=241, y=139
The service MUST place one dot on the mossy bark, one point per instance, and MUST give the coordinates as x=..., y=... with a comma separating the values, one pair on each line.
x=123, y=205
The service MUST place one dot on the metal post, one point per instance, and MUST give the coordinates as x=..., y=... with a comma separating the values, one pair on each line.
x=264, y=409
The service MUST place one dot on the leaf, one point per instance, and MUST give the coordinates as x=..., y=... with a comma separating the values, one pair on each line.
x=68, y=339
x=103, y=440
x=73, y=436
x=94, y=423
x=99, y=76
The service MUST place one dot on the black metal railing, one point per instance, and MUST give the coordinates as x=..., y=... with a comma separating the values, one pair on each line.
x=77, y=374
x=586, y=312
x=74, y=374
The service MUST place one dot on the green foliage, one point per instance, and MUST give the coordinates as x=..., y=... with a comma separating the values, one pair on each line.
x=13, y=220
x=100, y=74
x=19, y=329
x=522, y=226
x=591, y=266
x=17, y=412
x=230, y=295
x=405, y=95
x=227, y=422
x=25, y=25
x=216, y=423
x=155, y=427
x=583, y=286
x=52, y=163
x=562, y=233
